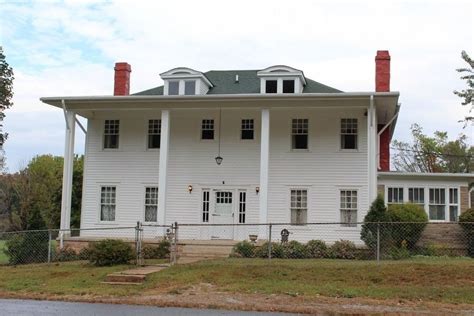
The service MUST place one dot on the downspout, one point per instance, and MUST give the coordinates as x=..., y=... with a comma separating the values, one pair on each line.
x=380, y=133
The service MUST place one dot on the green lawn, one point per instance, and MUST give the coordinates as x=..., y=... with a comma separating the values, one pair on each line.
x=445, y=280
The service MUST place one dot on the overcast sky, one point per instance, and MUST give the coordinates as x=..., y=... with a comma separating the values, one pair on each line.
x=65, y=48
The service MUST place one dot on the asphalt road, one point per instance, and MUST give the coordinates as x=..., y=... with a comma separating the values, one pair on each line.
x=31, y=307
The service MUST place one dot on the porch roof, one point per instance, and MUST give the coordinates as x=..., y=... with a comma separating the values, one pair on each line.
x=385, y=102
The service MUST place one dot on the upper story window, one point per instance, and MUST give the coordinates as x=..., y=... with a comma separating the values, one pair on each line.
x=190, y=87
x=154, y=134
x=288, y=86
x=299, y=134
x=111, y=134
x=247, y=129
x=173, y=88
x=348, y=133
x=271, y=86
x=207, y=129
x=185, y=81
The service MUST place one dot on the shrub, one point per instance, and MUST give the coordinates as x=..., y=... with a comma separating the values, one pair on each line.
x=278, y=251
x=244, y=249
x=343, y=249
x=84, y=254
x=109, y=252
x=31, y=247
x=376, y=214
x=466, y=220
x=398, y=253
x=316, y=249
x=161, y=251
x=415, y=218
x=295, y=250
x=66, y=254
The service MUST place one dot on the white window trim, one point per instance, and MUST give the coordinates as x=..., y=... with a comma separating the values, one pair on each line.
x=458, y=204
x=145, y=186
x=299, y=150
x=210, y=117
x=308, y=204
x=340, y=189
x=102, y=141
x=115, y=222
x=353, y=150
x=147, y=134
x=254, y=129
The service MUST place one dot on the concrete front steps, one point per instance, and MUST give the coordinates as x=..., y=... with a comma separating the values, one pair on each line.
x=192, y=251
x=133, y=276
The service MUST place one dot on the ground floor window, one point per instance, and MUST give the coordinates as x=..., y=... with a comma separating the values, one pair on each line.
x=348, y=208
x=299, y=206
x=205, y=206
x=151, y=204
x=242, y=206
x=394, y=196
x=107, y=203
x=417, y=196
x=453, y=204
x=437, y=205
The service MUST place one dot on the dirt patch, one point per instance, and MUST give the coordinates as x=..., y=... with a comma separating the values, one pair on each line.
x=206, y=295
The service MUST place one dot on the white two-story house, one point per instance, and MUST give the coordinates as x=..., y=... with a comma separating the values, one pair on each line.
x=243, y=146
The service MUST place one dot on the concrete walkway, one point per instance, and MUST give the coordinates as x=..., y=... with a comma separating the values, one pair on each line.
x=134, y=276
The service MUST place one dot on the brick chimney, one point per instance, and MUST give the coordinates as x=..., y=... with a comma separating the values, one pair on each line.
x=382, y=84
x=122, y=79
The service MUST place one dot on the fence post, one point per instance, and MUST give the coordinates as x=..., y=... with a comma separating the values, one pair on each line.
x=49, y=246
x=138, y=244
x=270, y=242
x=175, y=243
x=378, y=242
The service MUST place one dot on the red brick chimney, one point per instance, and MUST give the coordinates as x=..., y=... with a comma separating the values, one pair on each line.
x=122, y=79
x=382, y=84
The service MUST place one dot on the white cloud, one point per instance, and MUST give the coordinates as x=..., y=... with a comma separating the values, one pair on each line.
x=69, y=47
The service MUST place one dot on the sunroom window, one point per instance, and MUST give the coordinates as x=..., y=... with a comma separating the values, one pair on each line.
x=437, y=207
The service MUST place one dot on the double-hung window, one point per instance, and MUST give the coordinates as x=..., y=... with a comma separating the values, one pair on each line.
x=394, y=196
x=417, y=196
x=107, y=203
x=299, y=134
x=111, y=134
x=207, y=129
x=151, y=204
x=154, y=134
x=437, y=205
x=453, y=204
x=299, y=206
x=247, y=130
x=348, y=208
x=349, y=133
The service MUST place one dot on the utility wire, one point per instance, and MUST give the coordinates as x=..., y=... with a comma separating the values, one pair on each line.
x=432, y=153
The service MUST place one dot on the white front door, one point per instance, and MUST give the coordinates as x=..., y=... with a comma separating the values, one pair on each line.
x=223, y=213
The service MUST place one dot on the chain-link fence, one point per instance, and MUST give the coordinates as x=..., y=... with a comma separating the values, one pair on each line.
x=158, y=244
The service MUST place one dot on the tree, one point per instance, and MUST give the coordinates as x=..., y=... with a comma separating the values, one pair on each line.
x=468, y=75
x=6, y=95
x=433, y=154
x=31, y=198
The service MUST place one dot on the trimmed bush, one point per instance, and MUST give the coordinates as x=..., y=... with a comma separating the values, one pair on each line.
x=278, y=251
x=398, y=253
x=295, y=250
x=466, y=220
x=244, y=249
x=343, y=249
x=110, y=252
x=317, y=249
x=66, y=254
x=415, y=218
x=376, y=214
x=31, y=247
x=161, y=251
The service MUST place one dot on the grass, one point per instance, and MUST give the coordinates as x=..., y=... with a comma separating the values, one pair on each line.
x=447, y=280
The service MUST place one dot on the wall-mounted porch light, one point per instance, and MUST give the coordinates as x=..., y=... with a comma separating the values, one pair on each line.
x=257, y=190
x=190, y=188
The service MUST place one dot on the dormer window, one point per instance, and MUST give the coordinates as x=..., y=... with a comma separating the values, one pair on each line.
x=281, y=79
x=173, y=88
x=190, y=87
x=288, y=86
x=271, y=86
x=185, y=81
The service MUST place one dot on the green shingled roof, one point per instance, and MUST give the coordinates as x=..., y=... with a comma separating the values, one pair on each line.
x=224, y=83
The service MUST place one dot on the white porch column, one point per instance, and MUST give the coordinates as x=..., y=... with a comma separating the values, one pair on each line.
x=163, y=168
x=264, y=159
x=372, y=149
x=67, y=171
